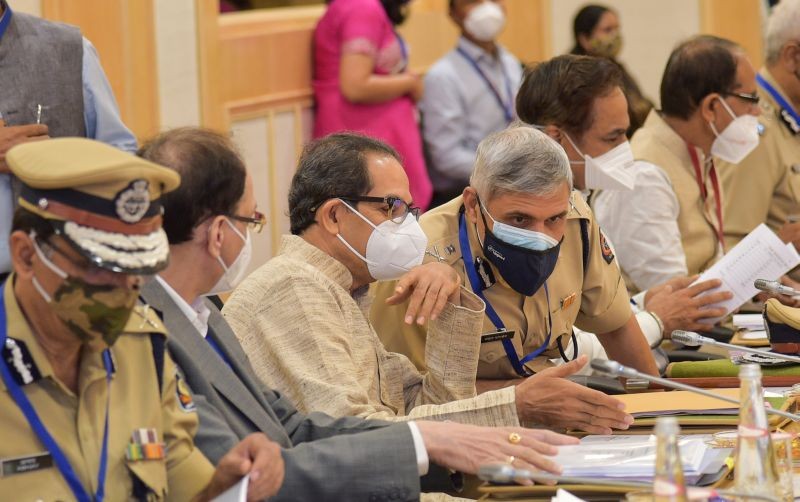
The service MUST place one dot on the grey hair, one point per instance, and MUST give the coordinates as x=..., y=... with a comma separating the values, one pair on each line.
x=783, y=26
x=520, y=159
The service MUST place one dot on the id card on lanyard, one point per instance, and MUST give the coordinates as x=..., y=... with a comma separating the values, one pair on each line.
x=506, y=105
x=477, y=287
x=712, y=174
x=41, y=431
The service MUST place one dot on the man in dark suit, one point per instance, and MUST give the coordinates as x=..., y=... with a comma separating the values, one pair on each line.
x=208, y=221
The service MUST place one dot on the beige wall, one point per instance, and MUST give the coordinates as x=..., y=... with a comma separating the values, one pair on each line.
x=647, y=44
x=176, y=62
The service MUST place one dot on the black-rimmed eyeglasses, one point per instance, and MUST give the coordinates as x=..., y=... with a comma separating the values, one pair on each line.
x=396, y=208
x=753, y=99
x=255, y=223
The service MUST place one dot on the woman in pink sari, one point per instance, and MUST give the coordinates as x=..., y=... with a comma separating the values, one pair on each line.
x=361, y=82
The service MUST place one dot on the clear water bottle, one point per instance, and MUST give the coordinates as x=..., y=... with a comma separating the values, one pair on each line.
x=756, y=472
x=668, y=484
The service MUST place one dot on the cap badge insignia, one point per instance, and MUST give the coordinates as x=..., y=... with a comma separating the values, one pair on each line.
x=133, y=202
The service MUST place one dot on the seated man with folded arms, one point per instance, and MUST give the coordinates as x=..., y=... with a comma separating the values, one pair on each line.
x=208, y=220
x=579, y=102
x=302, y=317
x=530, y=246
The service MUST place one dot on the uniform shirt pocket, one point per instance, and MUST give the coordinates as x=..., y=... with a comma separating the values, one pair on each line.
x=149, y=479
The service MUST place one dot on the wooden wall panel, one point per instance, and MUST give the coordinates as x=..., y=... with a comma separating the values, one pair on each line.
x=737, y=20
x=123, y=33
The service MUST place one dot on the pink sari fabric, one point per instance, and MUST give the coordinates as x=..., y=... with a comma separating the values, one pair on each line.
x=361, y=26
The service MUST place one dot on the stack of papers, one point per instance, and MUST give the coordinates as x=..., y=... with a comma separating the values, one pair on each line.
x=679, y=402
x=753, y=324
x=760, y=255
x=634, y=458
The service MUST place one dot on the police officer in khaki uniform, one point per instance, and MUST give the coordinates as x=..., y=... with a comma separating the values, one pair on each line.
x=92, y=407
x=765, y=186
x=531, y=247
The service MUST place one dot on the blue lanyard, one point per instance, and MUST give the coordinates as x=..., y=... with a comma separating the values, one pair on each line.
x=477, y=288
x=38, y=427
x=5, y=21
x=215, y=346
x=777, y=97
x=507, y=106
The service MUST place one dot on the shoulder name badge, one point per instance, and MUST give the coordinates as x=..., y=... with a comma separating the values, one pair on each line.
x=27, y=463
x=497, y=336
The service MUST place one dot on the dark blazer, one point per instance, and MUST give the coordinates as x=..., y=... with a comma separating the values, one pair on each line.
x=326, y=459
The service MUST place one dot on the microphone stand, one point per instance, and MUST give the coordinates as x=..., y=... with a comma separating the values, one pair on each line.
x=615, y=369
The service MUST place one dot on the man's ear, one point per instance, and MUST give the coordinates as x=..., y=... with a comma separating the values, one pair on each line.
x=554, y=132
x=22, y=252
x=707, y=107
x=329, y=214
x=471, y=204
x=215, y=236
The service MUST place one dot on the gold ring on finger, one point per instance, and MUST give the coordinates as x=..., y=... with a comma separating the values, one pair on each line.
x=514, y=438
x=510, y=460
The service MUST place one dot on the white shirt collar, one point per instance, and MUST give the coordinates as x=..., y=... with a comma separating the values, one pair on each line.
x=197, y=313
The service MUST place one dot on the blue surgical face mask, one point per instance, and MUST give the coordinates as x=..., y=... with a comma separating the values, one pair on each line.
x=520, y=237
x=524, y=258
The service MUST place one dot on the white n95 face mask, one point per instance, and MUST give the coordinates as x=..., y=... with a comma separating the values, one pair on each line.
x=485, y=21
x=737, y=140
x=392, y=248
x=611, y=171
x=234, y=273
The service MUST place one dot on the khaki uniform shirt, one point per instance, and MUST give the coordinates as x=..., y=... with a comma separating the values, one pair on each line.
x=76, y=421
x=310, y=339
x=594, y=299
x=657, y=143
x=764, y=187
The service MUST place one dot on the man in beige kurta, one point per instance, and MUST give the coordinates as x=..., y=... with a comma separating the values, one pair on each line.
x=302, y=319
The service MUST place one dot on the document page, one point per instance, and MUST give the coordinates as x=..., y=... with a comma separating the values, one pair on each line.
x=760, y=255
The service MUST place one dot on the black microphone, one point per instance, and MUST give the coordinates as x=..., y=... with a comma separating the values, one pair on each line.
x=775, y=287
x=507, y=473
x=615, y=369
x=693, y=339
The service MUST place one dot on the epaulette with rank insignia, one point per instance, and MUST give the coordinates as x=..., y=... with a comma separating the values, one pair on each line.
x=19, y=361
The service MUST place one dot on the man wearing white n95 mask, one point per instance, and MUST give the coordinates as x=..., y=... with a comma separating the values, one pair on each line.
x=672, y=224
x=469, y=94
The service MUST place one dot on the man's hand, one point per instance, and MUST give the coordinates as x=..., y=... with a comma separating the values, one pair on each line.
x=550, y=399
x=430, y=287
x=790, y=232
x=256, y=455
x=680, y=306
x=466, y=448
x=14, y=135
x=791, y=301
